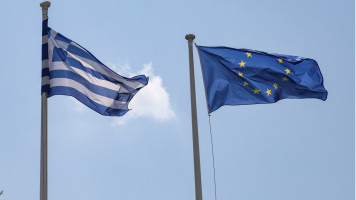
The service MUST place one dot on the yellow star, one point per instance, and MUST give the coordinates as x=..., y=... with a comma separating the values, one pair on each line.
x=285, y=79
x=240, y=74
x=287, y=71
x=242, y=64
x=268, y=92
x=275, y=85
x=248, y=54
x=245, y=83
x=256, y=91
x=280, y=60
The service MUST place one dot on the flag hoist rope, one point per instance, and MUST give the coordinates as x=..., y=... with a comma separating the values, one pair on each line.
x=43, y=177
x=211, y=134
x=212, y=153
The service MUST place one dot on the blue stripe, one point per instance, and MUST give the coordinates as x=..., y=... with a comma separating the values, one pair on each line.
x=75, y=63
x=44, y=51
x=45, y=72
x=45, y=88
x=92, y=87
x=86, y=54
x=140, y=78
x=83, y=53
x=61, y=55
x=62, y=38
x=60, y=90
x=58, y=54
x=44, y=27
x=75, y=50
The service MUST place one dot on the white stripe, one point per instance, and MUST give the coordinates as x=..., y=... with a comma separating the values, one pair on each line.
x=53, y=33
x=45, y=63
x=62, y=44
x=45, y=80
x=77, y=58
x=59, y=65
x=89, y=63
x=51, y=43
x=103, y=70
x=105, y=101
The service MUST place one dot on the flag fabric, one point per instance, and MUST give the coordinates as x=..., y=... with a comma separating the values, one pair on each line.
x=69, y=69
x=243, y=76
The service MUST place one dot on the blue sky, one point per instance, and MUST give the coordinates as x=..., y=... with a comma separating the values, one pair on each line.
x=293, y=149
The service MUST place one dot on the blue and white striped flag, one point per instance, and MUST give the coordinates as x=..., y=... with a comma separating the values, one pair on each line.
x=69, y=69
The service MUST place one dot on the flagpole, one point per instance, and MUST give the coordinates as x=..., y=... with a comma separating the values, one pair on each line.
x=43, y=177
x=198, y=188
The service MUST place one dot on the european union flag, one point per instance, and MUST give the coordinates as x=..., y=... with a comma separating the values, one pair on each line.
x=243, y=76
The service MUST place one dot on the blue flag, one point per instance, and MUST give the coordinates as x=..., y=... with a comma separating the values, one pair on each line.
x=70, y=69
x=243, y=76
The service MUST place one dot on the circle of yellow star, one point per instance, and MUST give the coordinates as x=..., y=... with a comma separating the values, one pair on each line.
x=256, y=91
x=268, y=92
x=275, y=85
x=287, y=71
x=240, y=74
x=280, y=60
x=242, y=63
x=285, y=79
x=248, y=54
x=245, y=83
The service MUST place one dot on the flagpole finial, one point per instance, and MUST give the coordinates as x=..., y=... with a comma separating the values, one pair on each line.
x=45, y=4
x=190, y=37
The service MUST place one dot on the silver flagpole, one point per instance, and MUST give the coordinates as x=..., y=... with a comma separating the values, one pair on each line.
x=43, y=182
x=198, y=190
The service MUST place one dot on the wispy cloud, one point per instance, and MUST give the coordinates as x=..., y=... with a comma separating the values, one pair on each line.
x=152, y=101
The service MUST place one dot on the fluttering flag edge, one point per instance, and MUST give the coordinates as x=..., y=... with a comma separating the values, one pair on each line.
x=101, y=109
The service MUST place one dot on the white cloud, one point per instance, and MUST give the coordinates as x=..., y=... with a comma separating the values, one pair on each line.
x=152, y=101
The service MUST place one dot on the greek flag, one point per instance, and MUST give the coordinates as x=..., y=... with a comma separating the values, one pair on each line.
x=70, y=69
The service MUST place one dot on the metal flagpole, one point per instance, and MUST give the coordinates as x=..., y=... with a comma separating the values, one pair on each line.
x=198, y=190
x=43, y=182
